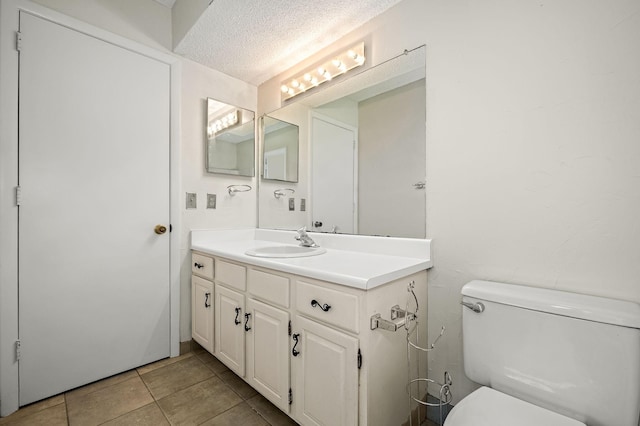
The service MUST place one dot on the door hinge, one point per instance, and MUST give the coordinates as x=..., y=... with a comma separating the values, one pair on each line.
x=18, y=195
x=18, y=41
x=359, y=359
x=290, y=397
x=18, y=350
x=289, y=327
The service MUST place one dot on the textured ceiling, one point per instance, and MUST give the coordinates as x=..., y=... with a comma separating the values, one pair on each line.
x=256, y=40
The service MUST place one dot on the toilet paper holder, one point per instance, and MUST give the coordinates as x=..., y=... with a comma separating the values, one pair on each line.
x=399, y=317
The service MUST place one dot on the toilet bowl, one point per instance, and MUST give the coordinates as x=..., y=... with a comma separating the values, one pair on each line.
x=548, y=357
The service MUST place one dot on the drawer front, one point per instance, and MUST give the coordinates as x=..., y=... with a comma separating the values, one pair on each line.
x=202, y=265
x=270, y=287
x=231, y=275
x=328, y=305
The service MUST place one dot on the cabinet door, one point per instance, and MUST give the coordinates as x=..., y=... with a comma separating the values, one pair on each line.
x=268, y=352
x=202, y=312
x=229, y=328
x=326, y=371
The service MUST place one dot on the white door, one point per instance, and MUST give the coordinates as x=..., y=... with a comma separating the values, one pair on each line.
x=202, y=312
x=326, y=371
x=268, y=352
x=229, y=328
x=334, y=170
x=94, y=172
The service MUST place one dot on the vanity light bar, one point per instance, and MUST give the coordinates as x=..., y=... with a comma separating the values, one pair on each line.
x=221, y=123
x=313, y=77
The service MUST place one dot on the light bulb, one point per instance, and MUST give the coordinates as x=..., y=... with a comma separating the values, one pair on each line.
x=290, y=92
x=295, y=84
x=321, y=71
x=284, y=88
x=336, y=63
x=307, y=77
x=302, y=87
x=314, y=81
x=342, y=67
x=352, y=54
x=327, y=75
x=360, y=60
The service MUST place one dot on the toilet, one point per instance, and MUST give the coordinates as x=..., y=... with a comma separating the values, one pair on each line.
x=548, y=357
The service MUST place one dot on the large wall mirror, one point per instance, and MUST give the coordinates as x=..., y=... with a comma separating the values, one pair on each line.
x=231, y=139
x=280, y=150
x=365, y=143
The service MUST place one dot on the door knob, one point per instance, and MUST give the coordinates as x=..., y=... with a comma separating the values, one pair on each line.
x=160, y=229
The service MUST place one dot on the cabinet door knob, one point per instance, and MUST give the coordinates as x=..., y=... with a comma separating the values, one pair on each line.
x=160, y=229
x=324, y=307
x=198, y=265
x=206, y=300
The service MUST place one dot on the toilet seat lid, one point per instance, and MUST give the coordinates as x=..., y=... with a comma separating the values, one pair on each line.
x=488, y=407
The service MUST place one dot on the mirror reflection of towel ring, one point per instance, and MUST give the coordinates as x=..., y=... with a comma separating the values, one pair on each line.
x=238, y=188
x=282, y=192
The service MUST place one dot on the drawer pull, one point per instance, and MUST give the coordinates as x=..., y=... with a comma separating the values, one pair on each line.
x=324, y=307
x=295, y=337
x=237, y=321
x=206, y=300
x=198, y=265
x=246, y=321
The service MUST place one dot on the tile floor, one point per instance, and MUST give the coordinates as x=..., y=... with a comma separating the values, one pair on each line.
x=192, y=389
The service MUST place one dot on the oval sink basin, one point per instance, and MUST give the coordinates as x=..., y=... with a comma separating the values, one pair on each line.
x=285, y=251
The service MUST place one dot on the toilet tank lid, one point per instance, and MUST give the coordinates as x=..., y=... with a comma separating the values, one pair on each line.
x=593, y=308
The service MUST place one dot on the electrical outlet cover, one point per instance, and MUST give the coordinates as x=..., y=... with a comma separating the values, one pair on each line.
x=211, y=201
x=191, y=200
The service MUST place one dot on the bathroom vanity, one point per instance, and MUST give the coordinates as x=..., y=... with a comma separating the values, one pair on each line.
x=299, y=329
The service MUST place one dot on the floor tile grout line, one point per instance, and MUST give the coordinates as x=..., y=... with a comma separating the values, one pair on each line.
x=177, y=390
x=221, y=413
x=66, y=408
x=155, y=401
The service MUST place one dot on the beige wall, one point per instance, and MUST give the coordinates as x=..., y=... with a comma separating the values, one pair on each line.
x=144, y=21
x=533, y=123
x=198, y=84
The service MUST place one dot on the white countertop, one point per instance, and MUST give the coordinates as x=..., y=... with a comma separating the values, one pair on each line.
x=354, y=268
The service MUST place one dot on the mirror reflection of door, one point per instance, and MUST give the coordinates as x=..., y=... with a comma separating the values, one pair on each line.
x=275, y=164
x=334, y=174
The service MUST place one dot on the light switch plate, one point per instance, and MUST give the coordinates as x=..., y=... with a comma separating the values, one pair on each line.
x=191, y=200
x=303, y=204
x=211, y=201
x=292, y=204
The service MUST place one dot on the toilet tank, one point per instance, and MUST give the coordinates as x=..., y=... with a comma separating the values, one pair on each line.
x=575, y=354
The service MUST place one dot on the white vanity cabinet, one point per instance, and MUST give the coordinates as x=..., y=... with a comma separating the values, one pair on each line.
x=231, y=282
x=326, y=356
x=326, y=365
x=267, y=335
x=229, y=329
x=202, y=300
x=267, y=358
x=307, y=344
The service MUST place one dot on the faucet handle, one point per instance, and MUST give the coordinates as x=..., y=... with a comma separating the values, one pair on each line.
x=302, y=230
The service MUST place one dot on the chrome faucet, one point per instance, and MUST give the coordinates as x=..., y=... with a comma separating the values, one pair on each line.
x=304, y=238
